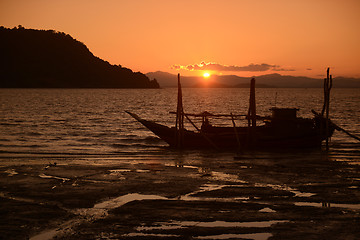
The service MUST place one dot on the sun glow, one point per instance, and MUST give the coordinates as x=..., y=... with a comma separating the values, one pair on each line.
x=206, y=75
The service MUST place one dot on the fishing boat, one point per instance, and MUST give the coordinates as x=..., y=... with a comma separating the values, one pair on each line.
x=282, y=129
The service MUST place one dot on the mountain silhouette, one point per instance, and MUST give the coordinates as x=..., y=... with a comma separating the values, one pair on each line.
x=48, y=59
x=263, y=81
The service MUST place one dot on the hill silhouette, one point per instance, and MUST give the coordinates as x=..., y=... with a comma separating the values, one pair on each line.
x=263, y=81
x=48, y=59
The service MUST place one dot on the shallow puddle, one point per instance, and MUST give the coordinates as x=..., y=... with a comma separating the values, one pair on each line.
x=119, y=170
x=328, y=205
x=99, y=211
x=53, y=177
x=220, y=176
x=119, y=201
x=208, y=188
x=143, y=170
x=253, y=236
x=214, y=175
x=11, y=172
x=217, y=224
x=151, y=235
x=286, y=188
x=50, y=234
x=301, y=194
x=20, y=199
x=267, y=210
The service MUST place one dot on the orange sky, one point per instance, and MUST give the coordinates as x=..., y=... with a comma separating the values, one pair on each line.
x=241, y=37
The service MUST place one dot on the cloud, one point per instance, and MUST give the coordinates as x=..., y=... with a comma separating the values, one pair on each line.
x=279, y=69
x=231, y=68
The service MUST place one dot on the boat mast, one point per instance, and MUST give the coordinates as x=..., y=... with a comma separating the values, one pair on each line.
x=252, y=112
x=179, y=125
x=252, y=108
x=326, y=106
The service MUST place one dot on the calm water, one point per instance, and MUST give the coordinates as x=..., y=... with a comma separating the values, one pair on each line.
x=93, y=122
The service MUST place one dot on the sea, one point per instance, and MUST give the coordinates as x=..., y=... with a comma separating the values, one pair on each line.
x=92, y=123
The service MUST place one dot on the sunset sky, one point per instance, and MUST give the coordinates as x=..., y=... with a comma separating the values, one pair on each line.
x=241, y=37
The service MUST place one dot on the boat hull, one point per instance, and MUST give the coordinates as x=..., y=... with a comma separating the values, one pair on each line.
x=261, y=137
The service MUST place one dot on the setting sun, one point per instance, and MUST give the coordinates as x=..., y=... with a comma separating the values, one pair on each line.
x=206, y=75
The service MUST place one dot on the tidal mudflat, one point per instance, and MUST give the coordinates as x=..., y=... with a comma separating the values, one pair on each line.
x=251, y=196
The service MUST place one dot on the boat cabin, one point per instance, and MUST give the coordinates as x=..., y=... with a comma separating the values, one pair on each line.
x=284, y=113
x=286, y=118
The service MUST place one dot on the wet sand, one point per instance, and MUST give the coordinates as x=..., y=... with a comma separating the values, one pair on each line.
x=254, y=196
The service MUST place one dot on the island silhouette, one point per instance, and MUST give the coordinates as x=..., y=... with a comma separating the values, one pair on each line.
x=49, y=59
x=275, y=80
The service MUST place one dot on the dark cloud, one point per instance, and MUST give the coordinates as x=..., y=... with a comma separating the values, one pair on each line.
x=230, y=68
x=279, y=69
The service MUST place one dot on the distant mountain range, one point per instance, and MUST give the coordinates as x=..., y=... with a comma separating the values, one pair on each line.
x=32, y=58
x=264, y=81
